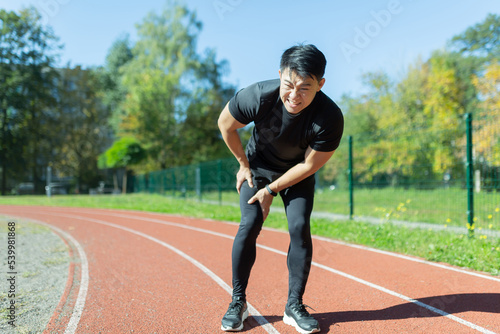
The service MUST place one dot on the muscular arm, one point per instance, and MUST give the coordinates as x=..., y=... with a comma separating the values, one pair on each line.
x=229, y=126
x=313, y=161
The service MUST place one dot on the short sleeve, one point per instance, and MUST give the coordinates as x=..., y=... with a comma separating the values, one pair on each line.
x=329, y=131
x=245, y=104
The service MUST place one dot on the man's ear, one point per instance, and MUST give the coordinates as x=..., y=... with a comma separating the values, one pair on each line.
x=321, y=83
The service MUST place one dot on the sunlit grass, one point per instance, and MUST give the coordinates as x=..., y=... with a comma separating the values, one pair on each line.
x=438, y=206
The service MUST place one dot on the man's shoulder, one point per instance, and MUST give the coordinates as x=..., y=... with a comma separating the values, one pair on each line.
x=251, y=100
x=328, y=105
x=262, y=89
x=268, y=88
x=271, y=84
x=260, y=93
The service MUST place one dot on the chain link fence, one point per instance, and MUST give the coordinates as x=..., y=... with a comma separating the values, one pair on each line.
x=213, y=180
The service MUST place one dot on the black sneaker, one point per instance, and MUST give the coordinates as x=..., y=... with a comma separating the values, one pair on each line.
x=297, y=316
x=235, y=315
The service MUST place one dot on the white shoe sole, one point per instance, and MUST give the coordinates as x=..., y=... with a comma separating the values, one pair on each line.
x=237, y=329
x=290, y=321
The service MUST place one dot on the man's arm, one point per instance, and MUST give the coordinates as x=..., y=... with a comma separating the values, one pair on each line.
x=229, y=126
x=313, y=161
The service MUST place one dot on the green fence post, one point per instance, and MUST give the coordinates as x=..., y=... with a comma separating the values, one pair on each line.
x=219, y=179
x=185, y=186
x=470, y=176
x=174, y=182
x=351, y=182
x=198, y=182
x=163, y=182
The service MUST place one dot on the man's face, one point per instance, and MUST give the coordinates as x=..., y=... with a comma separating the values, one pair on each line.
x=296, y=92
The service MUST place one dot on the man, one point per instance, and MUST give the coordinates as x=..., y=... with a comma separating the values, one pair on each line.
x=297, y=130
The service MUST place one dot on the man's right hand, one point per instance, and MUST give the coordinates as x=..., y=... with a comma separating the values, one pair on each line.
x=244, y=174
x=229, y=126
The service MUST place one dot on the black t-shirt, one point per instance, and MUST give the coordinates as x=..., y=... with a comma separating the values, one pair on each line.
x=280, y=139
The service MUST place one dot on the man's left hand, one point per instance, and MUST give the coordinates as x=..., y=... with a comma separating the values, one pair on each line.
x=265, y=200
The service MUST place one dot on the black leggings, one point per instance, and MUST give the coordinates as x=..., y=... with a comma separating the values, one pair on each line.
x=298, y=202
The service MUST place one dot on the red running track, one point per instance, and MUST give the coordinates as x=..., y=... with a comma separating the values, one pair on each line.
x=139, y=272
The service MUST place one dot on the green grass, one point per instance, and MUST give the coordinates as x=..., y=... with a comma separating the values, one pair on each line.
x=479, y=253
x=439, y=206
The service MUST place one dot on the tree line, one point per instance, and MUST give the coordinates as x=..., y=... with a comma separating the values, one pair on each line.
x=413, y=129
x=154, y=103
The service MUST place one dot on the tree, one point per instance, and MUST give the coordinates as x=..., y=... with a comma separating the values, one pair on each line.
x=27, y=55
x=172, y=92
x=111, y=77
x=443, y=107
x=415, y=129
x=124, y=152
x=411, y=129
x=38, y=89
x=199, y=130
x=10, y=39
x=487, y=138
x=82, y=125
x=481, y=40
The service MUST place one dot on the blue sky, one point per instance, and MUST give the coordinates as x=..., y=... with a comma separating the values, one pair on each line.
x=356, y=36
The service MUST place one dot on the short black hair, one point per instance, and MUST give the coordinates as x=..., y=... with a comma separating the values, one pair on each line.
x=305, y=60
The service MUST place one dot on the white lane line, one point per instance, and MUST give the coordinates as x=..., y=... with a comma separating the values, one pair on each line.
x=340, y=273
x=84, y=279
x=253, y=311
x=408, y=299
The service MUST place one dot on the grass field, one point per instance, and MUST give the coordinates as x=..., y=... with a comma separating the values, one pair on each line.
x=479, y=253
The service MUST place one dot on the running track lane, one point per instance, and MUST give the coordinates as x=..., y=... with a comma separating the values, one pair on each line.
x=138, y=283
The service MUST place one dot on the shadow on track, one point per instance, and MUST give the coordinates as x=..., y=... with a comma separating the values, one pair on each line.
x=452, y=304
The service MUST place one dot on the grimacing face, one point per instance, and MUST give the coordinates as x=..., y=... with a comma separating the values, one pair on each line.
x=296, y=92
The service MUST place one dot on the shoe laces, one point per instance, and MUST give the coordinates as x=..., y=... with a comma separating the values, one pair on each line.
x=235, y=307
x=301, y=309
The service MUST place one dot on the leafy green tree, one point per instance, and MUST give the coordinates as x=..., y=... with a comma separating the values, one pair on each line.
x=10, y=39
x=481, y=40
x=82, y=125
x=27, y=56
x=472, y=52
x=487, y=137
x=413, y=135
x=172, y=92
x=124, y=152
x=38, y=88
x=411, y=129
x=415, y=128
x=111, y=77
x=443, y=107
x=199, y=130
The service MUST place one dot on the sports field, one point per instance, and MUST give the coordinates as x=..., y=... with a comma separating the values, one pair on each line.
x=135, y=271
